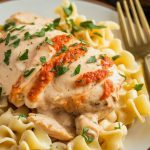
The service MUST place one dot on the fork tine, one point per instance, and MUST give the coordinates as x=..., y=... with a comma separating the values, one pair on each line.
x=123, y=24
x=133, y=32
x=143, y=19
x=139, y=28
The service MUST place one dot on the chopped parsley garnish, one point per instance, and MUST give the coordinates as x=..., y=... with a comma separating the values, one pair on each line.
x=7, y=39
x=98, y=34
x=28, y=72
x=13, y=37
x=17, y=28
x=27, y=36
x=56, y=22
x=8, y=26
x=64, y=48
x=83, y=42
x=1, y=92
x=2, y=40
x=24, y=56
x=60, y=70
x=49, y=27
x=118, y=127
x=74, y=44
x=138, y=87
x=74, y=27
x=68, y=10
x=41, y=33
x=87, y=138
x=16, y=43
x=22, y=116
x=50, y=42
x=43, y=59
x=123, y=76
x=115, y=57
x=90, y=25
x=102, y=56
x=83, y=48
x=7, y=55
x=92, y=59
x=77, y=70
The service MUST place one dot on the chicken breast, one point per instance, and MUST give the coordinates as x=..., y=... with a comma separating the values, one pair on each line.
x=48, y=69
x=54, y=127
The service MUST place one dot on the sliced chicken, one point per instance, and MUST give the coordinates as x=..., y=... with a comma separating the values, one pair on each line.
x=53, y=127
x=47, y=69
x=28, y=18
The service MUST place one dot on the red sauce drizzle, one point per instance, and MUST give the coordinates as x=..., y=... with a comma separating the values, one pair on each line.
x=71, y=55
x=108, y=89
x=45, y=76
x=96, y=76
x=107, y=62
x=60, y=40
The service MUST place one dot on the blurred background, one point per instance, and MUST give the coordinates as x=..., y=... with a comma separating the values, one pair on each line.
x=112, y=4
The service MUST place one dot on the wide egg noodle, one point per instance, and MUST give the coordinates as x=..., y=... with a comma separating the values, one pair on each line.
x=80, y=144
x=17, y=133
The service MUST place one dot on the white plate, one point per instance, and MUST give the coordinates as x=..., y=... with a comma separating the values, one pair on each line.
x=138, y=137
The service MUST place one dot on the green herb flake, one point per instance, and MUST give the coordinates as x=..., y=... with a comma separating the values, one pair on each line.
x=13, y=37
x=102, y=56
x=83, y=48
x=7, y=39
x=17, y=28
x=49, y=27
x=16, y=43
x=43, y=59
x=138, y=87
x=1, y=90
x=21, y=116
x=115, y=57
x=41, y=33
x=8, y=26
x=56, y=22
x=92, y=59
x=77, y=70
x=61, y=70
x=90, y=25
x=68, y=10
x=27, y=36
x=71, y=24
x=2, y=40
x=118, y=127
x=24, y=56
x=64, y=48
x=123, y=76
x=87, y=138
x=83, y=42
x=28, y=72
x=50, y=42
x=7, y=55
x=74, y=44
x=98, y=34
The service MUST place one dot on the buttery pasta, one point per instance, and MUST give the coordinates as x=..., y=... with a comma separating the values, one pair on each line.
x=18, y=132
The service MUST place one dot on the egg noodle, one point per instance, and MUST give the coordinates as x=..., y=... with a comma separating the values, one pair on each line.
x=17, y=132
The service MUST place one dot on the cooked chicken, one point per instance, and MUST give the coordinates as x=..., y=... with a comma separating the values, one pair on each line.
x=47, y=69
x=54, y=127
